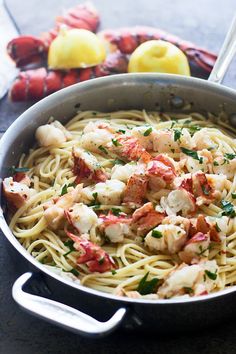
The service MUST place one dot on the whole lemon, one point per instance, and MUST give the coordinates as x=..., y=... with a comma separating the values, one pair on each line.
x=75, y=48
x=158, y=56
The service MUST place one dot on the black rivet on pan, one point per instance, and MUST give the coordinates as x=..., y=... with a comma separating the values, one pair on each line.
x=177, y=102
x=232, y=119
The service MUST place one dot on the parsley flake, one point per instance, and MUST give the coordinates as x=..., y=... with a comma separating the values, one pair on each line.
x=233, y=195
x=104, y=150
x=211, y=275
x=115, y=142
x=148, y=131
x=118, y=162
x=177, y=134
x=116, y=211
x=230, y=156
x=70, y=245
x=147, y=287
x=156, y=234
x=228, y=209
x=192, y=154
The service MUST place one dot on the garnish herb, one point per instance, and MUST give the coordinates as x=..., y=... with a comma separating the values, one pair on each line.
x=116, y=211
x=18, y=169
x=205, y=190
x=148, y=131
x=113, y=271
x=215, y=163
x=233, y=195
x=118, y=162
x=230, y=156
x=217, y=228
x=95, y=204
x=156, y=234
x=172, y=124
x=211, y=275
x=121, y=131
x=101, y=260
x=172, y=150
x=188, y=290
x=101, y=148
x=74, y=272
x=147, y=287
x=177, y=134
x=115, y=142
x=70, y=245
x=65, y=187
x=95, y=195
x=192, y=154
x=193, y=129
x=228, y=209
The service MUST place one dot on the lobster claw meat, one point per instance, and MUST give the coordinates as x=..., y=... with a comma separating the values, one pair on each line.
x=92, y=255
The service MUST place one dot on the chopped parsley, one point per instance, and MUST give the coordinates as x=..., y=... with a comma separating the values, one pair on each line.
x=121, y=131
x=18, y=169
x=95, y=204
x=211, y=275
x=156, y=234
x=115, y=142
x=116, y=211
x=104, y=150
x=101, y=260
x=148, y=131
x=70, y=245
x=95, y=195
x=193, y=129
x=233, y=195
x=118, y=162
x=230, y=156
x=147, y=287
x=113, y=271
x=74, y=272
x=217, y=228
x=172, y=124
x=188, y=290
x=215, y=163
x=177, y=134
x=65, y=187
x=228, y=209
x=192, y=154
x=205, y=190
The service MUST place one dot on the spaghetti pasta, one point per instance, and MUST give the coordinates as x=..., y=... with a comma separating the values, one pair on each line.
x=187, y=166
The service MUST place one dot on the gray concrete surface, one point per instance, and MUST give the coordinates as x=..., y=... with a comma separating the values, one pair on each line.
x=204, y=22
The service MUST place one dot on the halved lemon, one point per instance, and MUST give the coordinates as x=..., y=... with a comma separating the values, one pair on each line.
x=159, y=56
x=75, y=48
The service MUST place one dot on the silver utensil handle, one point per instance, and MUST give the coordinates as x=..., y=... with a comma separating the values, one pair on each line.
x=63, y=315
x=226, y=55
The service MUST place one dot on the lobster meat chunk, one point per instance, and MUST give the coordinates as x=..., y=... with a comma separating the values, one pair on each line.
x=92, y=255
x=115, y=227
x=128, y=39
x=29, y=49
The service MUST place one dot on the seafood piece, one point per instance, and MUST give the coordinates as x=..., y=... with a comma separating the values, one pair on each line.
x=115, y=227
x=160, y=172
x=94, y=126
x=92, y=255
x=38, y=83
x=54, y=210
x=110, y=192
x=204, y=163
x=95, y=140
x=86, y=167
x=197, y=279
x=129, y=149
x=183, y=223
x=144, y=135
x=217, y=182
x=53, y=134
x=166, y=238
x=203, y=140
x=22, y=178
x=128, y=39
x=81, y=217
x=179, y=201
x=225, y=165
x=165, y=141
x=196, y=247
x=16, y=193
x=135, y=191
x=29, y=49
x=146, y=218
x=215, y=227
x=123, y=173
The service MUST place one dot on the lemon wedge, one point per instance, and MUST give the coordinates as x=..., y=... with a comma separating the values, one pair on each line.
x=75, y=48
x=158, y=56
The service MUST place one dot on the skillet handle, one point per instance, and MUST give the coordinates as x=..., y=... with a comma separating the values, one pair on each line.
x=63, y=315
x=226, y=54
